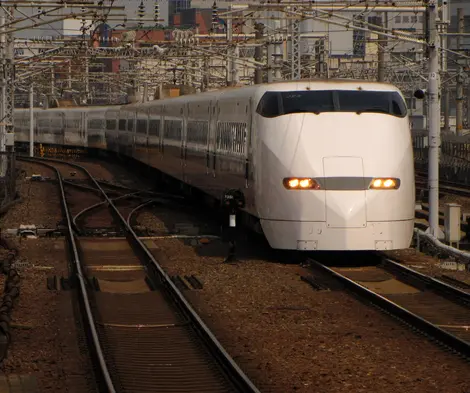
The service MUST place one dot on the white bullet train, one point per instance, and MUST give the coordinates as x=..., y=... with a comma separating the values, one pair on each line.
x=323, y=165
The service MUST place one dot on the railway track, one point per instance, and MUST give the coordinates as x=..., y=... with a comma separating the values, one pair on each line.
x=454, y=282
x=431, y=306
x=445, y=186
x=144, y=334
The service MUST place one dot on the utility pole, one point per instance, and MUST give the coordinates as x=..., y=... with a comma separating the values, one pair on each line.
x=321, y=66
x=69, y=74
x=31, y=121
x=468, y=104
x=234, y=70
x=459, y=93
x=381, y=65
x=295, y=49
x=446, y=93
x=434, y=116
x=145, y=93
x=277, y=55
x=445, y=21
x=205, y=80
x=230, y=60
x=270, y=52
x=87, y=80
x=3, y=166
x=445, y=43
x=52, y=81
x=259, y=33
x=380, y=56
x=7, y=90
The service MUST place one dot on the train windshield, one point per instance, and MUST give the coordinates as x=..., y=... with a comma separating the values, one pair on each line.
x=274, y=104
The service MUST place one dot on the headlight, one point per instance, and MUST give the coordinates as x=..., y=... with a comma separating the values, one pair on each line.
x=300, y=183
x=384, y=183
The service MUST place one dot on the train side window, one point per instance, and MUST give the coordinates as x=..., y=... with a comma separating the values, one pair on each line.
x=111, y=124
x=141, y=126
x=130, y=125
x=269, y=105
x=197, y=132
x=154, y=127
x=172, y=129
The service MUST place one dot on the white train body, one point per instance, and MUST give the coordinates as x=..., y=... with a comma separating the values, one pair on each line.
x=348, y=143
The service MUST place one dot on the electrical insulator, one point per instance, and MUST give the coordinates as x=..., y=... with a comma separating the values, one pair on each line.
x=157, y=12
x=39, y=12
x=141, y=13
x=83, y=20
x=215, y=17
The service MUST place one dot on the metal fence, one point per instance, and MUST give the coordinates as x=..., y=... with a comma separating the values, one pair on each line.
x=7, y=178
x=454, y=156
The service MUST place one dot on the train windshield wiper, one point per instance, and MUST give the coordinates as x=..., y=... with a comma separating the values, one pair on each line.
x=377, y=110
x=316, y=112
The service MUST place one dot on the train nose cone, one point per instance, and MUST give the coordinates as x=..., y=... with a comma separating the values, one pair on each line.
x=345, y=201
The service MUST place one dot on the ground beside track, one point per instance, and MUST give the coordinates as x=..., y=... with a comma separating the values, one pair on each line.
x=285, y=335
x=464, y=202
x=433, y=265
x=426, y=264
x=46, y=340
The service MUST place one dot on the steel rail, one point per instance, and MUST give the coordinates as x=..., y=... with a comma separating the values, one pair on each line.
x=81, y=278
x=118, y=189
x=125, y=196
x=82, y=186
x=137, y=208
x=396, y=310
x=157, y=194
x=225, y=361
x=422, y=177
x=454, y=282
x=99, y=204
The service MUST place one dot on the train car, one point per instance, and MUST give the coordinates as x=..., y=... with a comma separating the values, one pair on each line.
x=95, y=127
x=323, y=165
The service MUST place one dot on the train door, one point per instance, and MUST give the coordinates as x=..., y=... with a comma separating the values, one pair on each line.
x=83, y=127
x=248, y=145
x=135, y=135
x=162, y=131
x=130, y=139
x=146, y=149
x=35, y=125
x=250, y=159
x=212, y=150
x=184, y=140
x=62, y=130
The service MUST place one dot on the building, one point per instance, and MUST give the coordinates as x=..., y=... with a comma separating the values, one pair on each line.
x=166, y=8
x=465, y=6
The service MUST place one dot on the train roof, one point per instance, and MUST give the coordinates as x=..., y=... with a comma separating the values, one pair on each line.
x=251, y=91
x=256, y=91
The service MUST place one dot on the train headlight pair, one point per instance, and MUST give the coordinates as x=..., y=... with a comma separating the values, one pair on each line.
x=384, y=183
x=307, y=183
x=300, y=183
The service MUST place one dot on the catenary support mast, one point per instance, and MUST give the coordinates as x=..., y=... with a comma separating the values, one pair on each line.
x=434, y=116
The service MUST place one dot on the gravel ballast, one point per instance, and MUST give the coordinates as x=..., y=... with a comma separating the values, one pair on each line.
x=290, y=338
x=284, y=335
